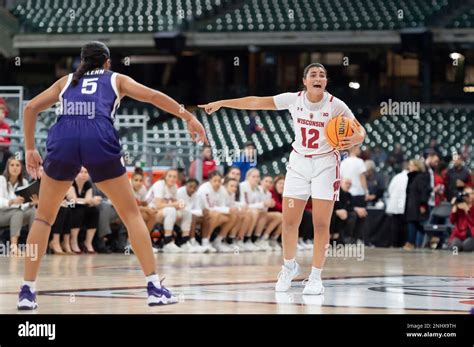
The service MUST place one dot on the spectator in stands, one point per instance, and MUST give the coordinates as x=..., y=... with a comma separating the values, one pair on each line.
x=433, y=147
x=250, y=197
x=235, y=173
x=106, y=241
x=139, y=189
x=277, y=193
x=271, y=221
x=190, y=205
x=375, y=183
x=253, y=127
x=247, y=160
x=84, y=212
x=432, y=162
x=462, y=217
x=396, y=158
x=231, y=186
x=457, y=177
x=397, y=194
x=5, y=130
x=4, y=127
x=216, y=214
x=208, y=164
x=416, y=206
x=378, y=155
x=344, y=218
x=163, y=196
x=61, y=227
x=354, y=168
x=14, y=211
x=181, y=181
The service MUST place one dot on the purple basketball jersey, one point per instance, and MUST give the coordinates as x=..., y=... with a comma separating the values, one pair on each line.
x=95, y=96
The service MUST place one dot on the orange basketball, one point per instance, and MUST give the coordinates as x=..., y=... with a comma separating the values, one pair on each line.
x=338, y=128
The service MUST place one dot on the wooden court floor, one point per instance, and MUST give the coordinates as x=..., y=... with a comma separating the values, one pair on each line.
x=382, y=281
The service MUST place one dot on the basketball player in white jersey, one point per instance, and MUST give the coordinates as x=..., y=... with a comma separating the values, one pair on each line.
x=313, y=168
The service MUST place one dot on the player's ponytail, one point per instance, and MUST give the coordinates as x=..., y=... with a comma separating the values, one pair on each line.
x=93, y=56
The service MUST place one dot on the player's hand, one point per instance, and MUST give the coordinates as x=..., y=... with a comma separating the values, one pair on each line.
x=96, y=200
x=356, y=138
x=33, y=164
x=18, y=200
x=211, y=107
x=34, y=200
x=197, y=131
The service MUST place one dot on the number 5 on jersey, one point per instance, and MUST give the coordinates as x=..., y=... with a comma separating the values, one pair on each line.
x=89, y=85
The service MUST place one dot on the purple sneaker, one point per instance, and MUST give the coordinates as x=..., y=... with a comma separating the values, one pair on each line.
x=159, y=296
x=26, y=299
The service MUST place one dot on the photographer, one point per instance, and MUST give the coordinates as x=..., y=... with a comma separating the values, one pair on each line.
x=462, y=217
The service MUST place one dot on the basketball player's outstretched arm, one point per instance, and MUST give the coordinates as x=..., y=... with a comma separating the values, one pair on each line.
x=129, y=87
x=246, y=103
x=39, y=103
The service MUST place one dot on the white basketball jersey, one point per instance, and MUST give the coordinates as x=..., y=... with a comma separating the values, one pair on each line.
x=309, y=125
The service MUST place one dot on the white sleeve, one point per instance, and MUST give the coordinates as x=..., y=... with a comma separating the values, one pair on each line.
x=284, y=100
x=340, y=108
x=3, y=193
x=159, y=190
x=361, y=166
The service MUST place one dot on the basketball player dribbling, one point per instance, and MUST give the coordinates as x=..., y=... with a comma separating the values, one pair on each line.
x=313, y=168
x=90, y=140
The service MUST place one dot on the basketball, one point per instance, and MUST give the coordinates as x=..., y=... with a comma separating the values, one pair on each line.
x=338, y=128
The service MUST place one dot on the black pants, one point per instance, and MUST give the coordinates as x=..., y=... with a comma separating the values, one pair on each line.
x=84, y=216
x=397, y=226
x=345, y=228
x=306, y=227
x=62, y=224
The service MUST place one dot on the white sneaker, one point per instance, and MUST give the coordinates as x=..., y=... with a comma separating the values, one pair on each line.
x=239, y=246
x=251, y=246
x=188, y=248
x=300, y=246
x=222, y=247
x=196, y=245
x=285, y=277
x=171, y=248
x=209, y=248
x=263, y=245
x=155, y=250
x=313, y=286
x=275, y=245
x=198, y=248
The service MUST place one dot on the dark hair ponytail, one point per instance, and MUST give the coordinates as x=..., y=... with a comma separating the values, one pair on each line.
x=93, y=56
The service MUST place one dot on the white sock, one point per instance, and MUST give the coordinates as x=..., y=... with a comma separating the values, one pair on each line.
x=219, y=239
x=155, y=279
x=290, y=264
x=31, y=284
x=315, y=273
x=265, y=237
x=205, y=241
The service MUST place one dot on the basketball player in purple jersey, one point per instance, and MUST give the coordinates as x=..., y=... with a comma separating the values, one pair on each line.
x=84, y=135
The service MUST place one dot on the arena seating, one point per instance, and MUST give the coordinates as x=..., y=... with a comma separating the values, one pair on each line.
x=464, y=20
x=291, y=15
x=120, y=16
x=114, y=16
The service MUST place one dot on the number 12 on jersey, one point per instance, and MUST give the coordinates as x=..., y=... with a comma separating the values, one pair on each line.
x=310, y=138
